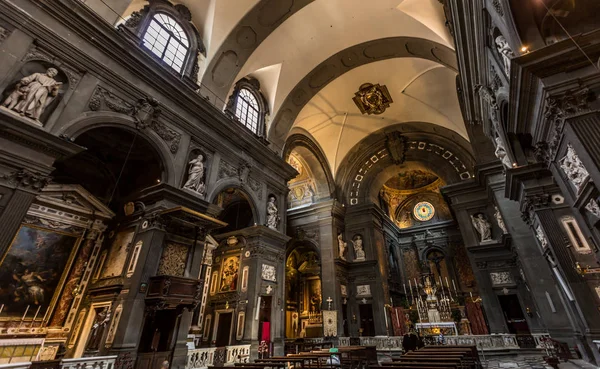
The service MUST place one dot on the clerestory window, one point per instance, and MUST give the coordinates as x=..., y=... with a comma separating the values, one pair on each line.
x=167, y=40
x=247, y=110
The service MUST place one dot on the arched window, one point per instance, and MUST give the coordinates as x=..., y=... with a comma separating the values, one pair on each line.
x=248, y=106
x=167, y=40
x=247, y=110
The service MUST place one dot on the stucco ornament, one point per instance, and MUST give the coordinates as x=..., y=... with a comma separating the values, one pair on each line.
x=502, y=154
x=33, y=94
x=573, y=168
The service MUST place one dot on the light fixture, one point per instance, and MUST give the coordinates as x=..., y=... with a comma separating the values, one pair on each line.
x=524, y=49
x=514, y=165
x=158, y=180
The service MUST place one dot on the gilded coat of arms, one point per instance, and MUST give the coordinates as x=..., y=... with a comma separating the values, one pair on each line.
x=372, y=99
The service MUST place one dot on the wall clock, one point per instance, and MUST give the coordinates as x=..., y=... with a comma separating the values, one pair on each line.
x=423, y=211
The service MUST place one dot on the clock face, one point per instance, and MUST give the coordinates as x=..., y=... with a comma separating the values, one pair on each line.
x=423, y=211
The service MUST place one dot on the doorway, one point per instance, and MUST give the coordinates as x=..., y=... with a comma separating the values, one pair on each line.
x=513, y=314
x=223, y=329
x=367, y=325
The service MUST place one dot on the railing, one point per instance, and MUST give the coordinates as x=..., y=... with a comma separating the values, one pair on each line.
x=98, y=362
x=486, y=342
x=205, y=357
x=23, y=365
x=539, y=339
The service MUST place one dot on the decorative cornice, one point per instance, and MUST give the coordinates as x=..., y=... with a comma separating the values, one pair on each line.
x=27, y=180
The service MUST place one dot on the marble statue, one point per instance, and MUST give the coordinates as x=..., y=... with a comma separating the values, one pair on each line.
x=499, y=220
x=358, y=248
x=100, y=323
x=272, y=213
x=33, y=94
x=196, y=174
x=502, y=154
x=505, y=51
x=482, y=226
x=342, y=246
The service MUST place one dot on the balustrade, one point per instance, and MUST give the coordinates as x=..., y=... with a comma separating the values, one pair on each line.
x=204, y=357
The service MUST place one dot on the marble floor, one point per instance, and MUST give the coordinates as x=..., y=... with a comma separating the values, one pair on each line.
x=524, y=362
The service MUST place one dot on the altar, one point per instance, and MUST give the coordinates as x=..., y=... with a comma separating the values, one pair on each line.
x=429, y=329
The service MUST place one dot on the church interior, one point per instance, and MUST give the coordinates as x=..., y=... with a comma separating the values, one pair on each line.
x=189, y=184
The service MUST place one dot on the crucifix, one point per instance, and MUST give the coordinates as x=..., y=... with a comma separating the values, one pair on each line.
x=269, y=289
x=364, y=300
x=329, y=300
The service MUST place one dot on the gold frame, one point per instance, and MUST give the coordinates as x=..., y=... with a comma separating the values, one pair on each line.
x=61, y=282
x=220, y=275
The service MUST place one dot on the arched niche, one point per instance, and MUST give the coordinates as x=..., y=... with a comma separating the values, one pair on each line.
x=239, y=211
x=33, y=92
x=116, y=164
x=314, y=181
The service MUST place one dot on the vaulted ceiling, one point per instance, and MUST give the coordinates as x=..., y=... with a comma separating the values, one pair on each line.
x=311, y=57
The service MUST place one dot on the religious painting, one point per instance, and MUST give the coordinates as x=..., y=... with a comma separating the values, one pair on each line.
x=113, y=266
x=229, y=274
x=33, y=269
x=314, y=294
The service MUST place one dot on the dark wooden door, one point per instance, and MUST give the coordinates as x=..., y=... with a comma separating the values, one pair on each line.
x=223, y=329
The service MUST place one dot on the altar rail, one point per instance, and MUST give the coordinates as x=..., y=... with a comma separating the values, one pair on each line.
x=98, y=362
x=483, y=342
x=204, y=357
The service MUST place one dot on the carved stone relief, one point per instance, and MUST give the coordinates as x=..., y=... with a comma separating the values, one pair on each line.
x=363, y=290
x=36, y=53
x=500, y=220
x=592, y=207
x=500, y=278
x=573, y=168
x=4, y=33
x=268, y=273
x=505, y=51
x=539, y=234
x=173, y=260
x=498, y=7
x=103, y=99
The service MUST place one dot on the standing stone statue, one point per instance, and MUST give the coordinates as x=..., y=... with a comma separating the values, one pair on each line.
x=502, y=154
x=342, y=246
x=195, y=180
x=33, y=94
x=100, y=322
x=505, y=51
x=272, y=213
x=499, y=220
x=482, y=226
x=358, y=248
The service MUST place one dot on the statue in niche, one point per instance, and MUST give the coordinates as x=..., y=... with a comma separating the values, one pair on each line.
x=358, y=248
x=100, y=323
x=502, y=154
x=272, y=213
x=505, y=51
x=195, y=180
x=482, y=226
x=499, y=220
x=33, y=94
x=342, y=246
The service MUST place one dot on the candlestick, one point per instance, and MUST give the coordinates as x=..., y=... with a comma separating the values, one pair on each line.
x=411, y=293
x=1, y=308
x=403, y=284
x=24, y=314
x=448, y=285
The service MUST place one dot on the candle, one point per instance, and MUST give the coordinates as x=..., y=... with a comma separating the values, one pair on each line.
x=1, y=308
x=454, y=287
x=471, y=293
x=448, y=285
x=411, y=293
x=24, y=315
x=404, y=292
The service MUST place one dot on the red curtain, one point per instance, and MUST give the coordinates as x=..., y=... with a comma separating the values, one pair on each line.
x=475, y=315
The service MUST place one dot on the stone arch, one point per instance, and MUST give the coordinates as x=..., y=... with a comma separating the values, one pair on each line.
x=316, y=161
x=346, y=60
x=427, y=143
x=225, y=183
x=92, y=120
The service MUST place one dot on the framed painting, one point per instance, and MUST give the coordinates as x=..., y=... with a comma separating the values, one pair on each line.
x=229, y=274
x=33, y=270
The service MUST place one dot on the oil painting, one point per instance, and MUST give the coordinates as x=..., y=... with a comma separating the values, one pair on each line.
x=32, y=270
x=114, y=264
x=229, y=274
